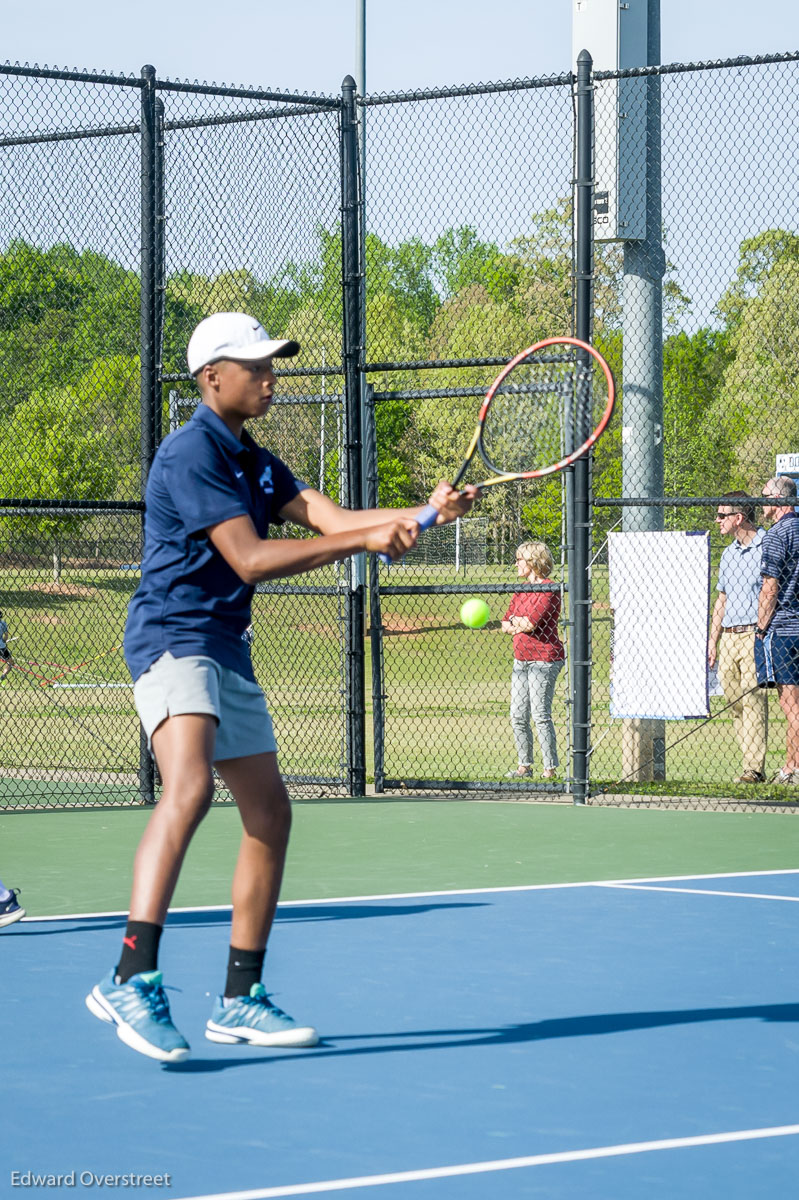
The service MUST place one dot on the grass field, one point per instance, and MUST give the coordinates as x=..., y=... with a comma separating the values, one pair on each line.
x=68, y=709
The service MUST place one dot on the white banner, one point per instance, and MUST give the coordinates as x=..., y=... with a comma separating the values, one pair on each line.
x=660, y=594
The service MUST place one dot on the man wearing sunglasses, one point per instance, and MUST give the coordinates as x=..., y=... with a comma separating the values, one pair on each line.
x=734, y=621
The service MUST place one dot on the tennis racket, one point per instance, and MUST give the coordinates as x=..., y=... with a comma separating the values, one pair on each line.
x=544, y=411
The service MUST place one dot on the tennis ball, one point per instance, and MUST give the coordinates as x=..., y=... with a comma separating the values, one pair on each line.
x=475, y=613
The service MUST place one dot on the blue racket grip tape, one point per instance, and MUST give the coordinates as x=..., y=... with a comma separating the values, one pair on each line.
x=424, y=520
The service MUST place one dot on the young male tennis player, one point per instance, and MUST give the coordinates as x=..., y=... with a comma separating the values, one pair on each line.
x=211, y=497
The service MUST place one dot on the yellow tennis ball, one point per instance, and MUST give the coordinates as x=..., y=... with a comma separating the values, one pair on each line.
x=475, y=613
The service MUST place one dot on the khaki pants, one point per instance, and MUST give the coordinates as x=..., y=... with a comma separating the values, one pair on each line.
x=750, y=712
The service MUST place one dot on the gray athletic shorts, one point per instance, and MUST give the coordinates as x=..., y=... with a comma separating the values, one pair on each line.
x=198, y=684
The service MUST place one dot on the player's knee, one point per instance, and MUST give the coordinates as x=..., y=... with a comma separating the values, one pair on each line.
x=271, y=821
x=191, y=796
x=279, y=810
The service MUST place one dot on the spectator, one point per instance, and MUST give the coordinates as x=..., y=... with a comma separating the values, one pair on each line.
x=5, y=653
x=777, y=634
x=532, y=619
x=734, y=620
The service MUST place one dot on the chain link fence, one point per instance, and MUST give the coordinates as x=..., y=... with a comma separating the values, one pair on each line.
x=703, y=304
x=479, y=234
x=409, y=266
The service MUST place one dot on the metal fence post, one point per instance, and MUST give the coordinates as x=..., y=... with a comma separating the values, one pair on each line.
x=148, y=325
x=159, y=269
x=375, y=611
x=352, y=357
x=579, y=565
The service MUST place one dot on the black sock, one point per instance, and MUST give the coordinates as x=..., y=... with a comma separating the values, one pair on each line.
x=139, y=949
x=244, y=968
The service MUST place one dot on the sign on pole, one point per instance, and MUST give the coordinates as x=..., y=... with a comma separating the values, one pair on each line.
x=615, y=35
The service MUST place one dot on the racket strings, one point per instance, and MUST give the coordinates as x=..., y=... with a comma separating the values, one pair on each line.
x=544, y=409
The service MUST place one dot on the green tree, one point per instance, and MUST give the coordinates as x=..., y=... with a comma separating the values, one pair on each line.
x=698, y=458
x=60, y=453
x=757, y=406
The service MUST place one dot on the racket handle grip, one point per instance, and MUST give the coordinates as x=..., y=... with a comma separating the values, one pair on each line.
x=424, y=520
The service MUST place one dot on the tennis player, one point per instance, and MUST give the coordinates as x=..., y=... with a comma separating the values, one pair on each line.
x=211, y=498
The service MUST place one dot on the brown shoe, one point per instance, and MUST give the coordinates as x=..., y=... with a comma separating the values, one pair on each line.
x=750, y=777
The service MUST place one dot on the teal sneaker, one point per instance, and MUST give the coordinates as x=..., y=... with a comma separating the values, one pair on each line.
x=255, y=1021
x=140, y=1011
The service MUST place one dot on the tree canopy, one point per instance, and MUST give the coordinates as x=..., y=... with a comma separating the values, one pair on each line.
x=69, y=344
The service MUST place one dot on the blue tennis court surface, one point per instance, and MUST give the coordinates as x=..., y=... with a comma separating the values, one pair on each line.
x=591, y=1040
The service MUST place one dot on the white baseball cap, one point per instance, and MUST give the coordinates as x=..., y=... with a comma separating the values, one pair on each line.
x=234, y=335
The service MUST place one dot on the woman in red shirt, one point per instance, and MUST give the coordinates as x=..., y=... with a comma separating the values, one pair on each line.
x=532, y=619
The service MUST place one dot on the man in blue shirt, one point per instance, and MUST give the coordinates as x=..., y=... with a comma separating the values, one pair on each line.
x=211, y=497
x=777, y=634
x=734, y=620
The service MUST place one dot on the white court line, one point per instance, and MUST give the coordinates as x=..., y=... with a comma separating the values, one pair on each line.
x=648, y=887
x=502, y=1164
x=521, y=887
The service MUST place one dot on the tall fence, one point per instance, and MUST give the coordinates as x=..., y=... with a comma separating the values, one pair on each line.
x=698, y=330
x=411, y=244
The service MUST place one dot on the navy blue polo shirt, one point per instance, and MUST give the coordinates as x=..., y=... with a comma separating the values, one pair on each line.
x=190, y=600
x=780, y=561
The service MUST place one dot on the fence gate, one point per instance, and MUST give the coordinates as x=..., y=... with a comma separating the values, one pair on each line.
x=472, y=188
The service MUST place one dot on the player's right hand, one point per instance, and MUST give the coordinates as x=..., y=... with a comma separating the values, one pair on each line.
x=394, y=539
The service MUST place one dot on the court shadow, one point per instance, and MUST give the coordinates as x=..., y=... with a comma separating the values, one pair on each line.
x=295, y=913
x=287, y=915
x=590, y=1025
x=27, y=929
x=357, y=912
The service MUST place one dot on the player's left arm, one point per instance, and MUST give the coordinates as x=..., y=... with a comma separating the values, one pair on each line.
x=318, y=512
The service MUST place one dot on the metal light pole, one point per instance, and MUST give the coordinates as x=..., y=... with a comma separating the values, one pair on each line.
x=643, y=740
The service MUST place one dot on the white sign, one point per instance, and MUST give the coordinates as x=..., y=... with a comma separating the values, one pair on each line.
x=787, y=464
x=660, y=592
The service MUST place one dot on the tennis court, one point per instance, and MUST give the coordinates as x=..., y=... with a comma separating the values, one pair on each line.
x=514, y=1000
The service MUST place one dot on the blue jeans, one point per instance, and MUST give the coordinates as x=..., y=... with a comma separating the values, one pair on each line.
x=531, y=691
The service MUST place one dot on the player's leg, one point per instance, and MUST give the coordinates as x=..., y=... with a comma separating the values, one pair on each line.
x=520, y=718
x=132, y=996
x=245, y=1013
x=178, y=702
x=183, y=747
x=260, y=794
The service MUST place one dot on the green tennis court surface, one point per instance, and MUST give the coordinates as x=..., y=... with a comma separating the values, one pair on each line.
x=80, y=862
